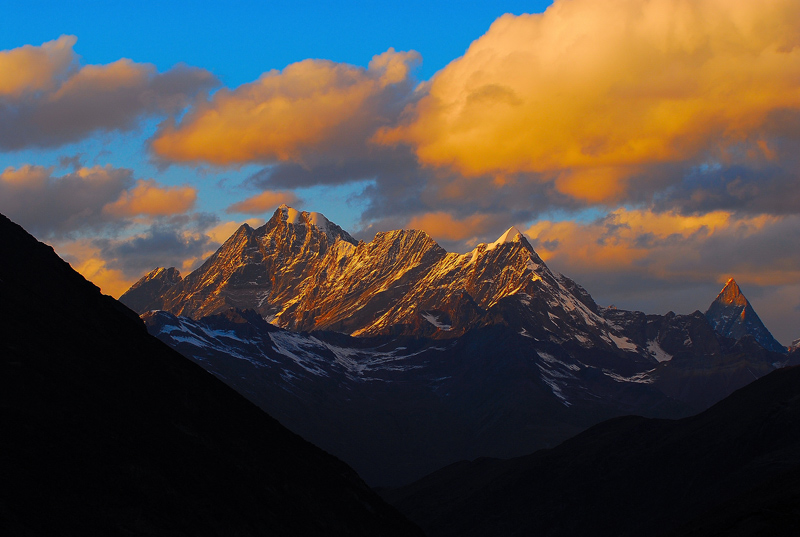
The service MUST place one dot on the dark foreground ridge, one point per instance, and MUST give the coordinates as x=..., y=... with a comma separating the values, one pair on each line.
x=106, y=431
x=733, y=470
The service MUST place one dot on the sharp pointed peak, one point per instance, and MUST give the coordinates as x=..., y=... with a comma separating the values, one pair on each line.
x=512, y=234
x=509, y=235
x=731, y=294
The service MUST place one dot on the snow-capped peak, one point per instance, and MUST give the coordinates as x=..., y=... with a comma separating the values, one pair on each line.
x=512, y=234
x=293, y=216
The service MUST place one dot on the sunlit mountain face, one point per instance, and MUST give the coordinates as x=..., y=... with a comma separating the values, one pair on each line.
x=401, y=358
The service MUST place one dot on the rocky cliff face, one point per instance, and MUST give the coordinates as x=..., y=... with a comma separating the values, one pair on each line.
x=353, y=286
x=732, y=316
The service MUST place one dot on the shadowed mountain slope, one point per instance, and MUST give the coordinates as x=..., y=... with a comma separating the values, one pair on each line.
x=731, y=470
x=106, y=431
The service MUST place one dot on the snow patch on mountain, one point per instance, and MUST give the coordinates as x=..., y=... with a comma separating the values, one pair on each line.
x=435, y=321
x=622, y=342
x=639, y=378
x=657, y=352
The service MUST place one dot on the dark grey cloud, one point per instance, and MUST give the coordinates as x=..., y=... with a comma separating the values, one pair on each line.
x=168, y=242
x=52, y=206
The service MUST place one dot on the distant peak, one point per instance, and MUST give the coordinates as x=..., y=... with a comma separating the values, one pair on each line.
x=161, y=272
x=731, y=294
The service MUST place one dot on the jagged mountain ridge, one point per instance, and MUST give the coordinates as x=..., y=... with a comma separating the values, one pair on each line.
x=732, y=316
x=107, y=431
x=302, y=272
x=304, y=277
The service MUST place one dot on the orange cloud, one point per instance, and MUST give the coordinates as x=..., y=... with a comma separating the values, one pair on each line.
x=118, y=75
x=285, y=113
x=591, y=92
x=443, y=226
x=27, y=176
x=30, y=69
x=667, y=245
x=147, y=198
x=87, y=259
x=264, y=202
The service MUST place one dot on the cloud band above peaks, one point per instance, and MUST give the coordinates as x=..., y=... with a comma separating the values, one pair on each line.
x=311, y=107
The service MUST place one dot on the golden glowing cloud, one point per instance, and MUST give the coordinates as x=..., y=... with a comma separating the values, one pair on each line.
x=264, y=202
x=661, y=245
x=99, y=79
x=30, y=69
x=27, y=176
x=443, y=226
x=284, y=113
x=589, y=93
x=88, y=261
x=147, y=198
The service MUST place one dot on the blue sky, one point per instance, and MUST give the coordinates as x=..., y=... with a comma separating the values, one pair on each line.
x=648, y=148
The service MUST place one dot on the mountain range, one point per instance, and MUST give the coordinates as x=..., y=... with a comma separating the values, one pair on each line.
x=401, y=358
x=107, y=431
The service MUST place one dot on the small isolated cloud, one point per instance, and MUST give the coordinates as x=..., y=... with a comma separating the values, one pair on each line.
x=48, y=99
x=311, y=107
x=266, y=201
x=597, y=97
x=148, y=198
x=85, y=200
